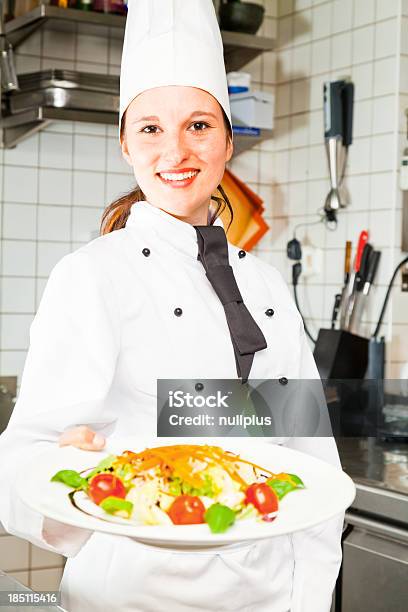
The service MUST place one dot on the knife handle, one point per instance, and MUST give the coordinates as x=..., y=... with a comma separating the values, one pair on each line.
x=347, y=260
x=362, y=241
x=364, y=266
x=372, y=269
x=337, y=300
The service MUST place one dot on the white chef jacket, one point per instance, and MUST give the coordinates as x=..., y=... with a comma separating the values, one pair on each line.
x=104, y=332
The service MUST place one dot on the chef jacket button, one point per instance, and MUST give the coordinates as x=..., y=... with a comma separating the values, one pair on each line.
x=283, y=380
x=146, y=252
x=178, y=312
x=270, y=312
x=199, y=386
x=241, y=254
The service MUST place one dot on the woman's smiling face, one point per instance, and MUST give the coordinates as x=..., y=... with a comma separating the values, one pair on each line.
x=173, y=128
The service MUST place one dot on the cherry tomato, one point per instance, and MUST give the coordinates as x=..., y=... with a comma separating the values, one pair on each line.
x=187, y=510
x=104, y=485
x=262, y=497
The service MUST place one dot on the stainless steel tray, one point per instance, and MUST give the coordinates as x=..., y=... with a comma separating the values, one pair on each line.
x=65, y=89
x=69, y=79
x=58, y=97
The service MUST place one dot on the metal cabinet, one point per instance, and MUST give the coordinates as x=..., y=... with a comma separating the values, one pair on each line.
x=375, y=567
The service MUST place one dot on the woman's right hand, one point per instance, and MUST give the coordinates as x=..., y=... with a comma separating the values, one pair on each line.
x=82, y=437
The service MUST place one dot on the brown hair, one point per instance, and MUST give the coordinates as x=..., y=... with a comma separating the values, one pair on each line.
x=115, y=215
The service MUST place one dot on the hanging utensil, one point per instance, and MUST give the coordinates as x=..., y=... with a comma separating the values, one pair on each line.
x=338, y=99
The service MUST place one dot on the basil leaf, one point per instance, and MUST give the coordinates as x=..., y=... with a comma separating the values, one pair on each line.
x=297, y=480
x=71, y=478
x=113, y=505
x=280, y=487
x=219, y=517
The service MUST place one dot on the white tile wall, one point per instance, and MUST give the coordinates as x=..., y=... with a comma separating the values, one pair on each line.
x=14, y=553
x=55, y=185
x=53, y=189
x=367, y=41
x=32, y=566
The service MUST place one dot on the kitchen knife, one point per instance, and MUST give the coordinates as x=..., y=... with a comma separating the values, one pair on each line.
x=358, y=286
x=347, y=267
x=364, y=266
x=351, y=288
x=365, y=285
x=372, y=270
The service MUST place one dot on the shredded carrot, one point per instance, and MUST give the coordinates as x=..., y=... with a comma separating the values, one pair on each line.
x=179, y=458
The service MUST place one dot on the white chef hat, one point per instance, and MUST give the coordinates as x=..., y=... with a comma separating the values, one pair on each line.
x=172, y=42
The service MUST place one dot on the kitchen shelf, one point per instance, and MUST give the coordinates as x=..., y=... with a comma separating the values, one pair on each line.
x=17, y=128
x=245, y=142
x=20, y=28
x=239, y=49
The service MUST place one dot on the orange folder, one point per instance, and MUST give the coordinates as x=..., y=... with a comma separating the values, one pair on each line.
x=248, y=225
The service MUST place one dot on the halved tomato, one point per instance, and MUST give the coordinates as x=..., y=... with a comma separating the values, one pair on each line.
x=105, y=485
x=187, y=510
x=262, y=497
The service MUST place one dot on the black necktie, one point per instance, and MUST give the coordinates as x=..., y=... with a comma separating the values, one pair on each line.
x=246, y=336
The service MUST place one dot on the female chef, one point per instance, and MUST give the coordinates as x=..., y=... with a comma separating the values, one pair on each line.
x=135, y=305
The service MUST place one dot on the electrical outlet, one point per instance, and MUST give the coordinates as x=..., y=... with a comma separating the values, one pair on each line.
x=312, y=261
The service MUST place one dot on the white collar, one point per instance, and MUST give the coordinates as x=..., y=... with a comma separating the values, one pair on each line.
x=180, y=234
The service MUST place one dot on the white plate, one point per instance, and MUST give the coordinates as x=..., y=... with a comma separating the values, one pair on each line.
x=328, y=492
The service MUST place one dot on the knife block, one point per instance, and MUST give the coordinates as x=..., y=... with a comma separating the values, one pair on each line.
x=340, y=354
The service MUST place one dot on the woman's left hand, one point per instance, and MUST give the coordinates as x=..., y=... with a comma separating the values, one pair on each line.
x=82, y=437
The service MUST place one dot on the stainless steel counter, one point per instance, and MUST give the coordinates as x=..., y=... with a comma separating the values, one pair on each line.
x=380, y=472
x=375, y=463
x=375, y=542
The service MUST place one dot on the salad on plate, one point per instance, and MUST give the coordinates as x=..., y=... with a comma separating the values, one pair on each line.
x=182, y=484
